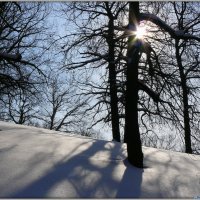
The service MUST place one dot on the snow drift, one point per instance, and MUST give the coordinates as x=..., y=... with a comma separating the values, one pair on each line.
x=36, y=163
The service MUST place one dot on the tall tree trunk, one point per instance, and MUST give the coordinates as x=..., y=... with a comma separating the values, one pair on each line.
x=112, y=81
x=188, y=145
x=132, y=133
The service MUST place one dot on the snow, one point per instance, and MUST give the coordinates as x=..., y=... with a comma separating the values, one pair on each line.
x=41, y=163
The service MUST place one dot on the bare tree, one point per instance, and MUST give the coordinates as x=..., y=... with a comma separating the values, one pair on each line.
x=62, y=109
x=135, y=155
x=180, y=58
x=99, y=40
x=21, y=32
x=183, y=49
x=20, y=107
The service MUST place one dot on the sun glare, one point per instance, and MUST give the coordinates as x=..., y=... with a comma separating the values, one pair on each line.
x=141, y=32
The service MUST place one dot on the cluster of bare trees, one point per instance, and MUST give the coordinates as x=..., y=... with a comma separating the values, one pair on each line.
x=104, y=73
x=179, y=58
x=30, y=91
x=20, y=52
x=144, y=81
x=181, y=36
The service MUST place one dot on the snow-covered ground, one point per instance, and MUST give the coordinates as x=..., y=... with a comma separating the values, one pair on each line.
x=36, y=162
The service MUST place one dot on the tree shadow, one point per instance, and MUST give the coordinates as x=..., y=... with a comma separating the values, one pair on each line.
x=130, y=184
x=80, y=175
x=173, y=175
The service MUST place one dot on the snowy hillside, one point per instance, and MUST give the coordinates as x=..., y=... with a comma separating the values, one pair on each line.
x=41, y=163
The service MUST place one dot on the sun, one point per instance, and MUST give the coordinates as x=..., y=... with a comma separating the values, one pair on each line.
x=140, y=32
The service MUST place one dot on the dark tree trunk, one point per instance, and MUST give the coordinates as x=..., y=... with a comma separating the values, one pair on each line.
x=21, y=117
x=188, y=145
x=114, y=103
x=52, y=118
x=132, y=133
x=112, y=80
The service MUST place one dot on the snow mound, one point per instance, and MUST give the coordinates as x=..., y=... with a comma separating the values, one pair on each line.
x=38, y=163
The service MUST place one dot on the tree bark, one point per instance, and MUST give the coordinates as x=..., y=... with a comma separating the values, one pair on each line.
x=187, y=130
x=132, y=133
x=112, y=81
